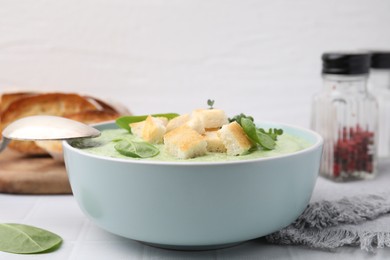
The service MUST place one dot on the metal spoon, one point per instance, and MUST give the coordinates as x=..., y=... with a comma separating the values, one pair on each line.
x=41, y=128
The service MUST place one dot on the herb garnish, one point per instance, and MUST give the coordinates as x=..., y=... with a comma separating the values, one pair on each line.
x=25, y=239
x=135, y=149
x=237, y=118
x=265, y=139
x=124, y=121
x=210, y=103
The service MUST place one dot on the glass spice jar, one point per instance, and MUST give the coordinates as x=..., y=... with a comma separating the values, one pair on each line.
x=379, y=86
x=345, y=114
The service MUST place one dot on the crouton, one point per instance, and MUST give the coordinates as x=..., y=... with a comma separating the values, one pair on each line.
x=193, y=122
x=137, y=128
x=234, y=139
x=163, y=120
x=211, y=118
x=196, y=123
x=151, y=130
x=177, y=122
x=214, y=142
x=184, y=143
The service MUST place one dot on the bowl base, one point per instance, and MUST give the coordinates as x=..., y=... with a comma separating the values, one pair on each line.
x=192, y=248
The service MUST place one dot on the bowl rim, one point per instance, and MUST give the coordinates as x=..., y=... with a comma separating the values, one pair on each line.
x=318, y=143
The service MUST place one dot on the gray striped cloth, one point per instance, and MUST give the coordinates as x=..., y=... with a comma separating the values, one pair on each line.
x=354, y=221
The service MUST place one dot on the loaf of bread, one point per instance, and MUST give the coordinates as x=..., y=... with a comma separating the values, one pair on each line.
x=86, y=109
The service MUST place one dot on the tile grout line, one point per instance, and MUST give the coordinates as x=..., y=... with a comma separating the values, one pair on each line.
x=77, y=242
x=35, y=208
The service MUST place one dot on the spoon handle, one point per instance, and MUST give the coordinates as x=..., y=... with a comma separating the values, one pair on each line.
x=3, y=143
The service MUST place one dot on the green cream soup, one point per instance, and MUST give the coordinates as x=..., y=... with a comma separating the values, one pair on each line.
x=104, y=146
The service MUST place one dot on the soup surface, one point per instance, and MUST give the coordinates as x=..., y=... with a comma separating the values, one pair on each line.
x=104, y=146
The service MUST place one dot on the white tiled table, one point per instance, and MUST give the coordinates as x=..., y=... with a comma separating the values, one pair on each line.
x=83, y=240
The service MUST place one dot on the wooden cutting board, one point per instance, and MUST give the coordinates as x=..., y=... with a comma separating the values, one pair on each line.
x=32, y=175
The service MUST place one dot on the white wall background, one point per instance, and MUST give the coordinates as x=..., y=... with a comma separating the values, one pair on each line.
x=253, y=56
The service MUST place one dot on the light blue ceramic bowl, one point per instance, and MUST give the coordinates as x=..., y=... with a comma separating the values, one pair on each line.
x=194, y=205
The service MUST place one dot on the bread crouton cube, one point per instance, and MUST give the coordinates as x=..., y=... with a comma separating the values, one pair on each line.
x=184, y=143
x=214, y=142
x=151, y=130
x=163, y=120
x=137, y=128
x=187, y=120
x=197, y=124
x=234, y=138
x=212, y=118
x=177, y=122
x=154, y=130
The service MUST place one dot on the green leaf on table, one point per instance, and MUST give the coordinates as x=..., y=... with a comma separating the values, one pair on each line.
x=136, y=149
x=124, y=121
x=25, y=239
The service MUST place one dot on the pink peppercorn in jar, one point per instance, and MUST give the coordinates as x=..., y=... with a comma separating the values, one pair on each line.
x=346, y=116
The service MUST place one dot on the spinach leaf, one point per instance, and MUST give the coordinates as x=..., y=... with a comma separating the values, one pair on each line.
x=124, y=121
x=25, y=239
x=257, y=136
x=265, y=140
x=250, y=129
x=136, y=149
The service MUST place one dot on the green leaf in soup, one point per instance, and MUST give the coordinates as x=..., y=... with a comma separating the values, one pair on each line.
x=265, y=140
x=136, y=149
x=25, y=239
x=250, y=129
x=124, y=121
